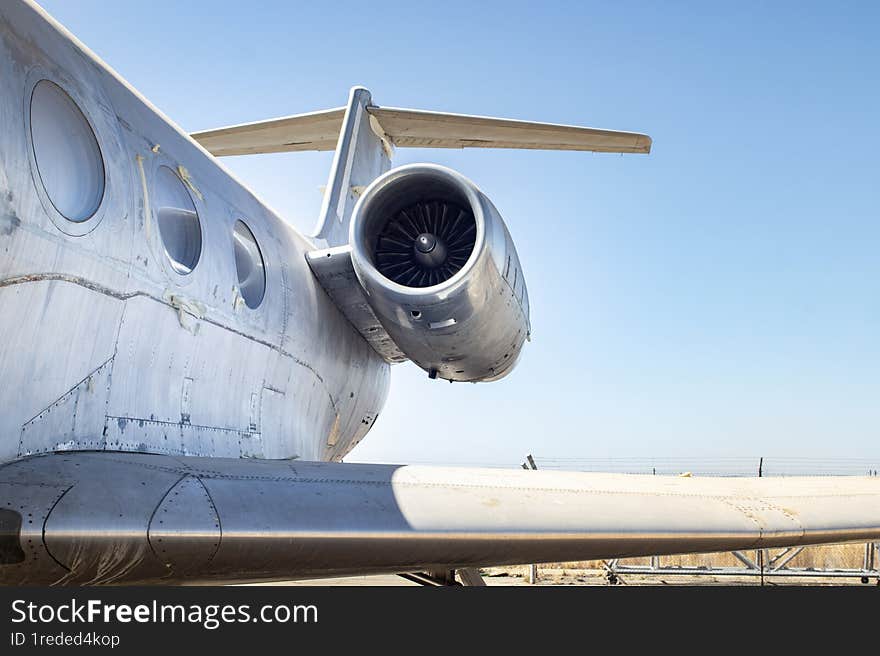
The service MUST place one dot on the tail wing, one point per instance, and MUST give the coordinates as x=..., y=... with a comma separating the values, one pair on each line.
x=364, y=136
x=312, y=131
x=417, y=129
x=420, y=129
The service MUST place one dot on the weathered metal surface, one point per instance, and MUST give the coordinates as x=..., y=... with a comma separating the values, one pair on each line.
x=422, y=129
x=105, y=344
x=187, y=510
x=417, y=129
x=332, y=267
x=98, y=517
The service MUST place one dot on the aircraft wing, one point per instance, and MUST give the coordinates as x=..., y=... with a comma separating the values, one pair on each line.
x=103, y=517
x=415, y=128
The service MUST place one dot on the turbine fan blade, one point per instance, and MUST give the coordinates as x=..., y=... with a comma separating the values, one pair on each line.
x=447, y=222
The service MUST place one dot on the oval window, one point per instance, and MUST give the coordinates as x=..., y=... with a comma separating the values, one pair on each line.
x=249, y=265
x=178, y=220
x=67, y=154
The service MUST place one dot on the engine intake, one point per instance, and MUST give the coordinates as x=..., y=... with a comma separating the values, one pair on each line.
x=441, y=272
x=425, y=243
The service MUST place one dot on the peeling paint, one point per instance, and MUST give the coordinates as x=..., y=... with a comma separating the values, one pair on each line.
x=188, y=310
x=146, y=192
x=333, y=437
x=384, y=139
x=187, y=178
x=237, y=300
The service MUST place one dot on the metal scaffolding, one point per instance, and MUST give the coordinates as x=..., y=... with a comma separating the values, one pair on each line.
x=763, y=565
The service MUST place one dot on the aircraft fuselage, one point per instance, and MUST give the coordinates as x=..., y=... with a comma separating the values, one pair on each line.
x=110, y=341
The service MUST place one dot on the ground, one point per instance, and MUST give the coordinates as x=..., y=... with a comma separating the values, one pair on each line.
x=518, y=576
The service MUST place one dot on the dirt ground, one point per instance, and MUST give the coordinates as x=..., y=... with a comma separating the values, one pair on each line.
x=516, y=576
x=554, y=576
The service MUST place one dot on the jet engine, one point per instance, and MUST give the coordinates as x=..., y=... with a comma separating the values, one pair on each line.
x=441, y=273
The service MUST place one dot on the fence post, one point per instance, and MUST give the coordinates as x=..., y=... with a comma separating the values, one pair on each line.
x=533, y=568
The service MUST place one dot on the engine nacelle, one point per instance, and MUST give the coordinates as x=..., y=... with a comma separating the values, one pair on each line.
x=441, y=273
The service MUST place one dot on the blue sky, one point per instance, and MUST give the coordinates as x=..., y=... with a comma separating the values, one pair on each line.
x=717, y=298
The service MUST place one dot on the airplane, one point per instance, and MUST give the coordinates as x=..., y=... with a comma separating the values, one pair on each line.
x=183, y=371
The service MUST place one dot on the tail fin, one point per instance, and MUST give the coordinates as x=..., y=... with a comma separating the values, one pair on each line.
x=364, y=134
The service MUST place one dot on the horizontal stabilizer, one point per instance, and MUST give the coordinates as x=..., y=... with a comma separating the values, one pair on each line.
x=419, y=129
x=313, y=131
x=416, y=129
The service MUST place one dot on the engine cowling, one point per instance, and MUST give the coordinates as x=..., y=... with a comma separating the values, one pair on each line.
x=441, y=272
